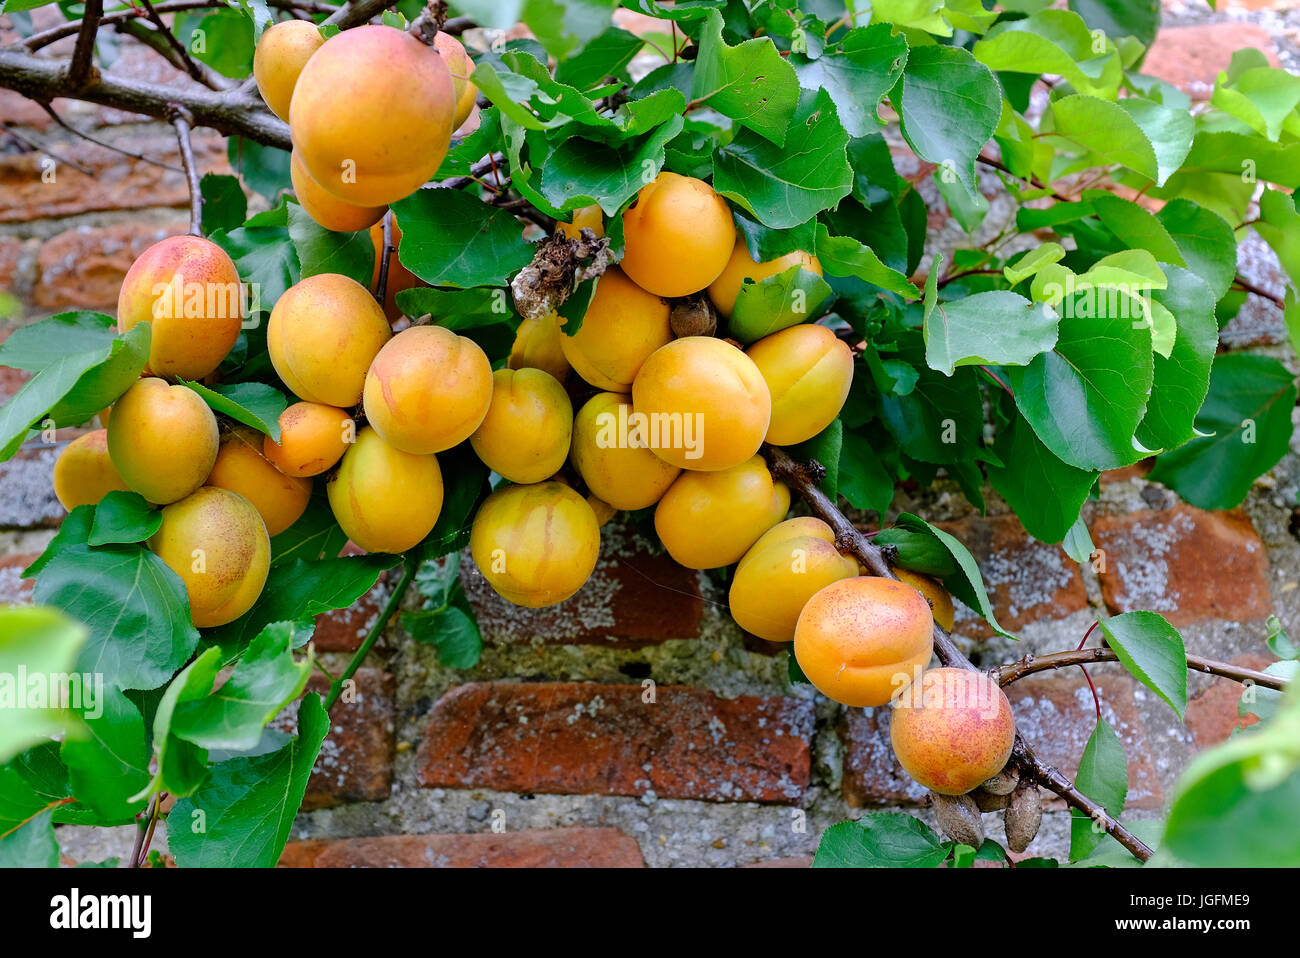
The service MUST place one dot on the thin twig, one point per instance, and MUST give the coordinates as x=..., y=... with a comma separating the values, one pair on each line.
x=390, y=609
x=83, y=55
x=48, y=108
x=186, y=61
x=1249, y=287
x=1033, y=181
x=143, y=838
x=1031, y=664
x=183, y=121
x=33, y=145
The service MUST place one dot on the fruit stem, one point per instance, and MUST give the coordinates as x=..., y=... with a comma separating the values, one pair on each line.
x=376, y=630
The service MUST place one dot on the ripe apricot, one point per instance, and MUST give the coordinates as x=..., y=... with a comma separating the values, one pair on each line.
x=162, y=440
x=525, y=435
x=372, y=114
x=187, y=289
x=710, y=519
x=539, y=345
x=623, y=325
x=84, y=473
x=535, y=544
x=312, y=438
x=461, y=66
x=399, y=277
x=584, y=217
x=940, y=601
x=325, y=208
x=707, y=403
x=613, y=457
x=281, y=54
x=741, y=267
x=952, y=730
x=428, y=389
x=783, y=570
x=808, y=370
x=859, y=640
x=241, y=468
x=215, y=540
x=322, y=335
x=385, y=500
x=678, y=236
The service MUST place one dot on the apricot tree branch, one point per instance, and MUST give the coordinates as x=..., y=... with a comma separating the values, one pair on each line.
x=182, y=56
x=803, y=478
x=381, y=286
x=1030, y=664
x=358, y=12
x=83, y=55
x=182, y=120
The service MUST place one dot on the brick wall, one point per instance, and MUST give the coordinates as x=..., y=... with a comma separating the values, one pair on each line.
x=635, y=724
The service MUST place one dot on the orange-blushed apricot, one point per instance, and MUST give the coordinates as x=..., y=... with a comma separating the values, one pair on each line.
x=312, y=438
x=623, y=325
x=241, y=468
x=808, y=370
x=678, y=236
x=710, y=519
x=281, y=53
x=162, y=440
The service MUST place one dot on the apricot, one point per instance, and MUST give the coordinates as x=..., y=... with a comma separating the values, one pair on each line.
x=372, y=114
x=525, y=434
x=623, y=325
x=312, y=438
x=428, y=389
x=399, y=277
x=325, y=208
x=808, y=370
x=241, y=468
x=461, y=66
x=783, y=570
x=385, y=500
x=952, y=730
x=323, y=333
x=281, y=54
x=215, y=540
x=940, y=601
x=611, y=453
x=162, y=440
x=539, y=345
x=742, y=267
x=859, y=640
x=709, y=401
x=678, y=236
x=535, y=544
x=84, y=473
x=710, y=519
x=187, y=289
x=584, y=217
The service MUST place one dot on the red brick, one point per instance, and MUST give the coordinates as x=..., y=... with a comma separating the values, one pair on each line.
x=27, y=499
x=20, y=111
x=534, y=848
x=1191, y=57
x=1212, y=715
x=342, y=630
x=1027, y=580
x=1184, y=563
x=15, y=590
x=83, y=267
x=872, y=776
x=573, y=738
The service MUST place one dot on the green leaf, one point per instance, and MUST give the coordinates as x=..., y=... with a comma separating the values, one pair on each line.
x=452, y=631
x=918, y=551
x=460, y=309
x=44, y=642
x=863, y=480
x=1032, y=261
x=1152, y=650
x=941, y=419
x=254, y=404
x=1105, y=133
x=793, y=672
x=1045, y=493
x=1120, y=18
x=123, y=517
x=1247, y=419
x=825, y=448
x=1103, y=777
x=565, y=27
x=316, y=534
x=30, y=843
x=880, y=840
x=1205, y=241
x=998, y=327
x=324, y=251
x=777, y=302
x=452, y=239
x=241, y=816
x=950, y=105
x=967, y=582
x=1137, y=228
x=1279, y=226
x=1053, y=41
x=263, y=254
x=1170, y=130
x=108, y=761
x=1181, y=379
x=181, y=765
x=224, y=203
x=465, y=485
x=44, y=343
x=1078, y=542
x=786, y=186
x=222, y=40
x=862, y=69
x=264, y=168
x=845, y=256
x=606, y=55
x=1279, y=641
x=1260, y=96
x=751, y=82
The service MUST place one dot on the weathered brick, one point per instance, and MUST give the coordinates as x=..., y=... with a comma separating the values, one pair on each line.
x=1184, y=563
x=1212, y=715
x=1191, y=57
x=82, y=268
x=573, y=738
x=15, y=590
x=1027, y=580
x=872, y=776
x=27, y=499
x=534, y=848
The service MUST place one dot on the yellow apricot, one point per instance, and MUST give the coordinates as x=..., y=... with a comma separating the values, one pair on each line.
x=372, y=114
x=940, y=601
x=162, y=440
x=399, y=277
x=707, y=403
x=861, y=640
x=281, y=54
x=584, y=217
x=678, y=236
x=241, y=468
x=385, y=500
x=322, y=336
x=741, y=267
x=187, y=289
x=312, y=438
x=539, y=344
x=710, y=519
x=461, y=66
x=84, y=473
x=325, y=208
x=611, y=454
x=788, y=564
x=603, y=510
x=623, y=325
x=525, y=435
x=808, y=370
x=215, y=540
x=428, y=389
x=535, y=544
